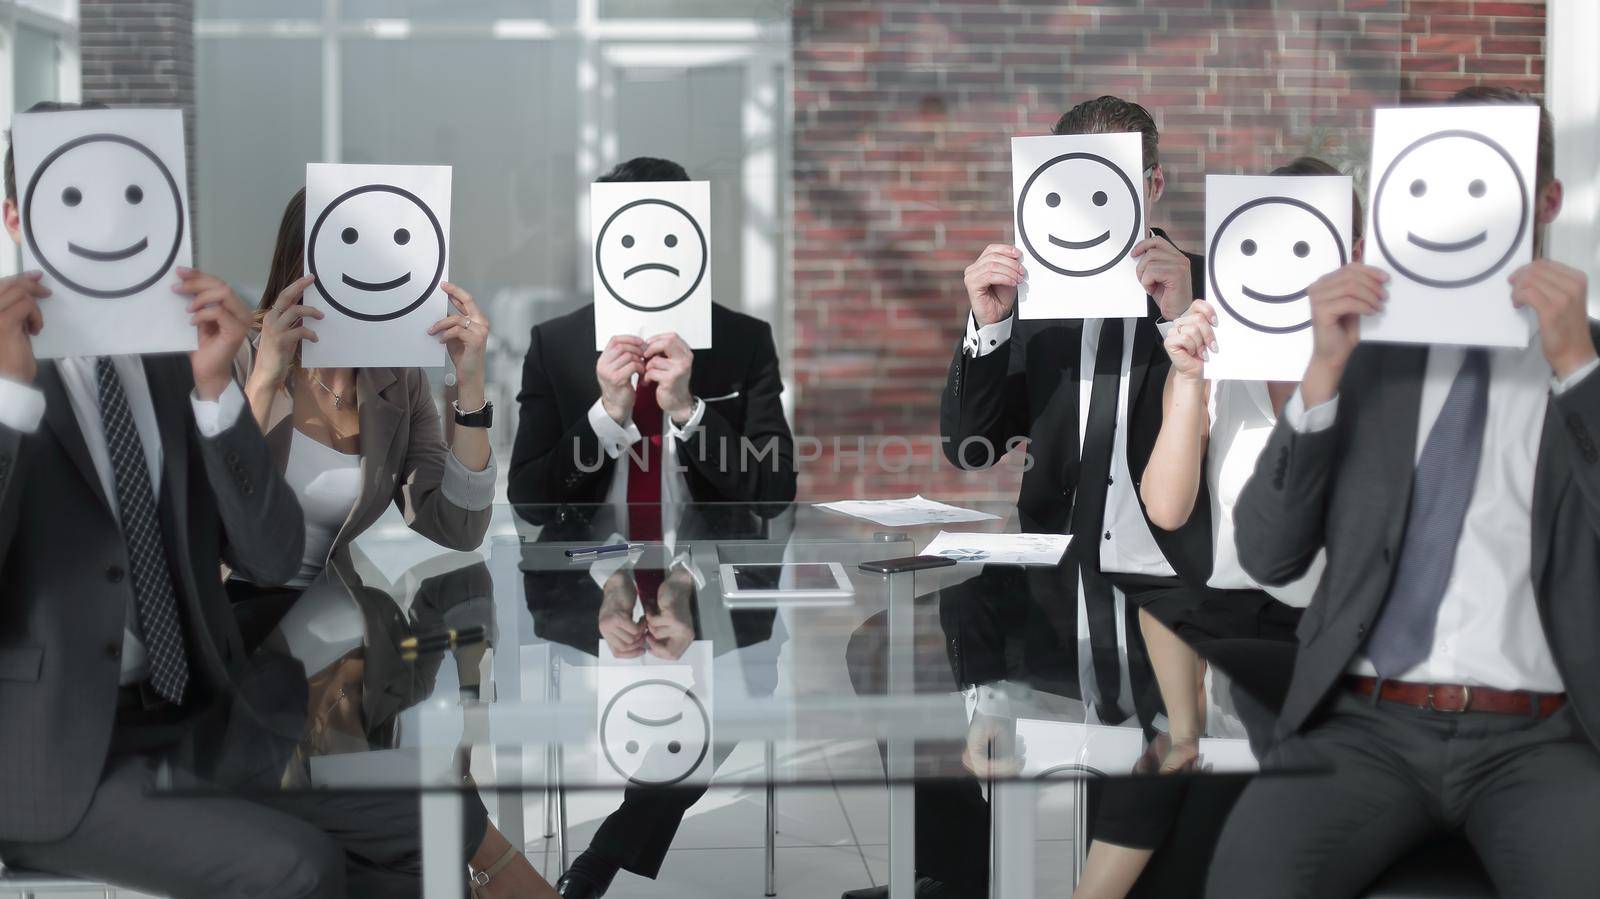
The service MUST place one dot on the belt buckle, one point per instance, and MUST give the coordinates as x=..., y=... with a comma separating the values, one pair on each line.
x=1466, y=701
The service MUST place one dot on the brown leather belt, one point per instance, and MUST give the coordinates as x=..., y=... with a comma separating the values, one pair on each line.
x=1459, y=698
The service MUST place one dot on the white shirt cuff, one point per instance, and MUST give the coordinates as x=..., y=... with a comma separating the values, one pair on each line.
x=1310, y=421
x=1559, y=386
x=213, y=417
x=21, y=406
x=688, y=426
x=985, y=340
x=613, y=437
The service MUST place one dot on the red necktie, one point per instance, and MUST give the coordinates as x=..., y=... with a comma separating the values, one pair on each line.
x=644, y=468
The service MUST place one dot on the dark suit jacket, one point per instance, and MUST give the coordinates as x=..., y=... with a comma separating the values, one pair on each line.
x=738, y=379
x=63, y=564
x=1028, y=389
x=1349, y=489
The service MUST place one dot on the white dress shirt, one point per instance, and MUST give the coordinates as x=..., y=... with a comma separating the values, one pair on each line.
x=1488, y=631
x=1126, y=544
x=616, y=439
x=22, y=408
x=1242, y=420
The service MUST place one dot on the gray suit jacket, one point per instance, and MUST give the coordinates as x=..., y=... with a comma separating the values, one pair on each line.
x=1349, y=489
x=403, y=459
x=65, y=592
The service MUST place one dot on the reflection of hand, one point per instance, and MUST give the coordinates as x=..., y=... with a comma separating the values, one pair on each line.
x=670, y=630
x=669, y=362
x=622, y=633
x=992, y=747
x=1559, y=295
x=622, y=358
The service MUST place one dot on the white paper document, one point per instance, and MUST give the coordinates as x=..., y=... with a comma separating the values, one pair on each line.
x=906, y=512
x=1080, y=211
x=1268, y=238
x=103, y=198
x=652, y=260
x=1450, y=217
x=378, y=242
x=1000, y=549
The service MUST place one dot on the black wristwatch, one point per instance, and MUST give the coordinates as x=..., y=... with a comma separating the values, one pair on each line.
x=482, y=418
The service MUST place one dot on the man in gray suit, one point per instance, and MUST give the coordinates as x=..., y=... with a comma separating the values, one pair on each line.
x=1447, y=668
x=124, y=483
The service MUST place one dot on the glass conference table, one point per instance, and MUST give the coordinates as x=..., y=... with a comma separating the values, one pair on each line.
x=531, y=669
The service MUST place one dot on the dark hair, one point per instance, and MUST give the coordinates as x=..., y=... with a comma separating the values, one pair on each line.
x=1108, y=114
x=288, y=254
x=1545, y=171
x=1311, y=165
x=646, y=168
x=41, y=106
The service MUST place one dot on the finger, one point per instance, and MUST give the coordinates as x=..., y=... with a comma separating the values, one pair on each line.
x=303, y=311
x=449, y=321
x=1204, y=310
x=35, y=320
x=457, y=333
x=1343, y=306
x=1001, y=249
x=461, y=299
x=1204, y=333
x=291, y=294
x=194, y=282
x=301, y=333
x=211, y=296
x=629, y=342
x=210, y=315
x=1537, y=294
x=1007, y=263
x=1158, y=245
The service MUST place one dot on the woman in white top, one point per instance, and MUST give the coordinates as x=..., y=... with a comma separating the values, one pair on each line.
x=353, y=441
x=1214, y=431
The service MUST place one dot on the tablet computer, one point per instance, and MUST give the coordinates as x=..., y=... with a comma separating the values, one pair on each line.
x=786, y=582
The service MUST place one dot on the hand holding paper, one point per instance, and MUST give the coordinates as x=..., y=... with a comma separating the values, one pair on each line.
x=1559, y=295
x=20, y=321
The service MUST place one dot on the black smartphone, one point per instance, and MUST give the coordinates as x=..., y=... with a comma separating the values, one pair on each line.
x=907, y=563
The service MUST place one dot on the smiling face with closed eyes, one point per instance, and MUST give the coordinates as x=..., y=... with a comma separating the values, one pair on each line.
x=1079, y=214
x=1264, y=257
x=377, y=252
x=655, y=732
x=104, y=216
x=1451, y=209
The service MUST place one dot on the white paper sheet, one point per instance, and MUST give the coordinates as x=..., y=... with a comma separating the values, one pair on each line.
x=378, y=242
x=1079, y=201
x=1450, y=217
x=1268, y=237
x=906, y=512
x=655, y=722
x=1001, y=549
x=652, y=260
x=104, y=201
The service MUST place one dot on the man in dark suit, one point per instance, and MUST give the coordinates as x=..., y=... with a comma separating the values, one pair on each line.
x=124, y=483
x=612, y=449
x=1447, y=668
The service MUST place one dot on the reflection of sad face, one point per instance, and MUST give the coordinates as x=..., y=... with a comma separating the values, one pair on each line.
x=1450, y=210
x=655, y=732
x=103, y=215
x=377, y=252
x=1079, y=214
x=1263, y=258
x=651, y=255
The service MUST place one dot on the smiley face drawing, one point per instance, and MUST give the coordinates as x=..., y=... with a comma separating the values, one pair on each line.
x=376, y=272
x=103, y=215
x=1450, y=210
x=1265, y=256
x=651, y=255
x=1079, y=214
x=655, y=733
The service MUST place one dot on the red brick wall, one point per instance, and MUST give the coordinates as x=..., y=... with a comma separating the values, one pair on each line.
x=902, y=114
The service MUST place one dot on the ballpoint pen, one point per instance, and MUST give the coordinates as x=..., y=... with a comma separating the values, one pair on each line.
x=580, y=551
x=439, y=641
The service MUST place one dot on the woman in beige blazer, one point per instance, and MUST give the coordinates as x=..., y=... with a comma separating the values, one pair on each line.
x=351, y=442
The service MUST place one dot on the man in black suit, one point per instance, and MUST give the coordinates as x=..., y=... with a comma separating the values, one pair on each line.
x=613, y=448
x=1447, y=668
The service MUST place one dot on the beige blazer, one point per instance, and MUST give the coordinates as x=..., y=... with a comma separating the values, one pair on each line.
x=404, y=460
